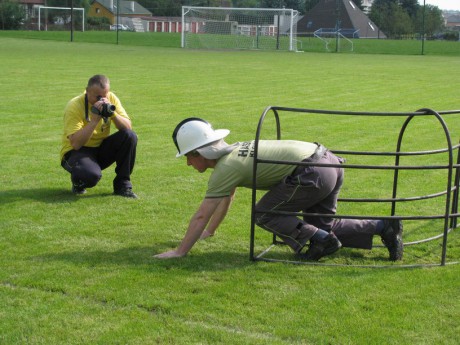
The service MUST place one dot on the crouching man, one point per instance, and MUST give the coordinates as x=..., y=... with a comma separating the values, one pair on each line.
x=308, y=189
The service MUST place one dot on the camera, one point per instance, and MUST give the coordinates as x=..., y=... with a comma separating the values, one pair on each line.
x=107, y=110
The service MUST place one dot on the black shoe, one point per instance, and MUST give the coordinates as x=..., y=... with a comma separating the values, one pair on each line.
x=318, y=249
x=392, y=238
x=126, y=192
x=77, y=190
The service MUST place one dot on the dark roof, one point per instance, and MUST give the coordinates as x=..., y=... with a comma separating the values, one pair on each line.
x=455, y=18
x=126, y=7
x=352, y=19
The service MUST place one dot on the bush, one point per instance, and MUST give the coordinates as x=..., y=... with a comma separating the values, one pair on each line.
x=451, y=35
x=98, y=23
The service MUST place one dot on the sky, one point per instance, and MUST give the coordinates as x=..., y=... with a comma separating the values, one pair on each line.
x=443, y=4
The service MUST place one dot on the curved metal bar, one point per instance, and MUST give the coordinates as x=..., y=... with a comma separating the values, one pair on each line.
x=426, y=239
x=413, y=198
x=396, y=172
x=357, y=166
x=254, y=173
x=451, y=210
x=309, y=263
x=370, y=153
x=449, y=181
x=456, y=192
x=357, y=113
x=343, y=216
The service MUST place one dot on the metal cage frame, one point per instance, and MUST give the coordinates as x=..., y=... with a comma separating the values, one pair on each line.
x=451, y=193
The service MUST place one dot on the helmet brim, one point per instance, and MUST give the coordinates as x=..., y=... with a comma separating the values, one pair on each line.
x=217, y=135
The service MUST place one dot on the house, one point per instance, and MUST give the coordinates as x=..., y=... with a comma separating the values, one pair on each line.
x=129, y=11
x=30, y=7
x=453, y=22
x=351, y=21
x=165, y=24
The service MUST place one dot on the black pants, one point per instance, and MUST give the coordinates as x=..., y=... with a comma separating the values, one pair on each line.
x=86, y=164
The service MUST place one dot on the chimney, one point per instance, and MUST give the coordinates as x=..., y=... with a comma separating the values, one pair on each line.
x=132, y=6
x=111, y=5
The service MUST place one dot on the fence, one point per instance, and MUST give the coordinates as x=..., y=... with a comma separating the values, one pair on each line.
x=448, y=210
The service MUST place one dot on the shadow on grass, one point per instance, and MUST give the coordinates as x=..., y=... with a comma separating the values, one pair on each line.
x=141, y=257
x=46, y=195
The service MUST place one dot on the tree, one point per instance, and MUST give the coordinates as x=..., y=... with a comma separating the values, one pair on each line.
x=391, y=18
x=401, y=22
x=410, y=7
x=309, y=4
x=399, y=17
x=169, y=8
x=174, y=7
x=12, y=15
x=431, y=22
x=298, y=5
x=245, y=3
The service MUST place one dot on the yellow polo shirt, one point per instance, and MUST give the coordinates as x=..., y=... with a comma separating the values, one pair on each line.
x=74, y=120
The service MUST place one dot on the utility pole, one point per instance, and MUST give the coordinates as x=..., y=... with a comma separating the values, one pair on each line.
x=423, y=28
x=337, y=26
x=71, y=20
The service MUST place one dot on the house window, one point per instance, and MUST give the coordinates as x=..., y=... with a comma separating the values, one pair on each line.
x=98, y=10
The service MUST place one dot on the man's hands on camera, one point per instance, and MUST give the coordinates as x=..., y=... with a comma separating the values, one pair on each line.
x=97, y=107
x=103, y=108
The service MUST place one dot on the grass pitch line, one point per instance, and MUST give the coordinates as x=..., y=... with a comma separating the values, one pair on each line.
x=252, y=335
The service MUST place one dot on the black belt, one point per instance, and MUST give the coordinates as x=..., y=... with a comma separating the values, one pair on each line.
x=318, y=154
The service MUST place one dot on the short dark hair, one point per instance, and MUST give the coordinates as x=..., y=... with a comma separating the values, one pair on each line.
x=100, y=80
x=193, y=153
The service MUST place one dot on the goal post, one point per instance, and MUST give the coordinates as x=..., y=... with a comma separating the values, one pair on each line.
x=60, y=9
x=239, y=28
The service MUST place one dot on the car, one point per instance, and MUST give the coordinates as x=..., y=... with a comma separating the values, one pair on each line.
x=119, y=27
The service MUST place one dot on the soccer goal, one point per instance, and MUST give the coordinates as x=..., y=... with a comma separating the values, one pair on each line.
x=59, y=16
x=239, y=28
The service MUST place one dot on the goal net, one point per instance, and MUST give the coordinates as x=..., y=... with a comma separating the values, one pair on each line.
x=60, y=18
x=239, y=28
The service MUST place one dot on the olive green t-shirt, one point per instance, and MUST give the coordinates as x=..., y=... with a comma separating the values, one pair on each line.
x=236, y=168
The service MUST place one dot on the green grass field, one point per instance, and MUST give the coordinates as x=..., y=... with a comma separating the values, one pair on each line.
x=79, y=270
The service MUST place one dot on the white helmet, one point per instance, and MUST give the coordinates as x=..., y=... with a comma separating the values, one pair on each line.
x=193, y=133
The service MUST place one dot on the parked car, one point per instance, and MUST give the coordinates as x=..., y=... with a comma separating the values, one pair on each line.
x=120, y=27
